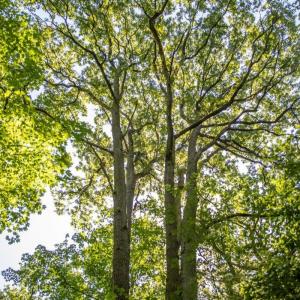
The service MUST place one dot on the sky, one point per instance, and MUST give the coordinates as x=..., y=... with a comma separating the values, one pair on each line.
x=46, y=229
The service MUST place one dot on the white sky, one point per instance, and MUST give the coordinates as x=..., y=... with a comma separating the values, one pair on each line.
x=46, y=229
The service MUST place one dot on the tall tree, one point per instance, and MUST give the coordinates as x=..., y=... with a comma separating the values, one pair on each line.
x=233, y=66
x=99, y=65
x=194, y=102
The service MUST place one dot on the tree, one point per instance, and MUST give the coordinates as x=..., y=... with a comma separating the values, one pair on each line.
x=204, y=89
x=100, y=55
x=250, y=88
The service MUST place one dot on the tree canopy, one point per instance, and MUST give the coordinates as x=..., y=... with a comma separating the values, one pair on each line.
x=187, y=180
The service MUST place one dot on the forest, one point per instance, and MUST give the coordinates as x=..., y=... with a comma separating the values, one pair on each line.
x=185, y=183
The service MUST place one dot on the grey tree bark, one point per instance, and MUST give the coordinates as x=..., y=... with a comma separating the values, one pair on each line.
x=173, y=281
x=121, y=252
x=188, y=224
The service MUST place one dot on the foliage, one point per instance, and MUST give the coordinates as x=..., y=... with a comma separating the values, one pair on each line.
x=208, y=88
x=31, y=152
x=71, y=270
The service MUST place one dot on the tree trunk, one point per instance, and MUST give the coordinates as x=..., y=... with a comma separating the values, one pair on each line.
x=173, y=289
x=130, y=190
x=188, y=237
x=130, y=181
x=173, y=283
x=120, y=222
x=171, y=215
